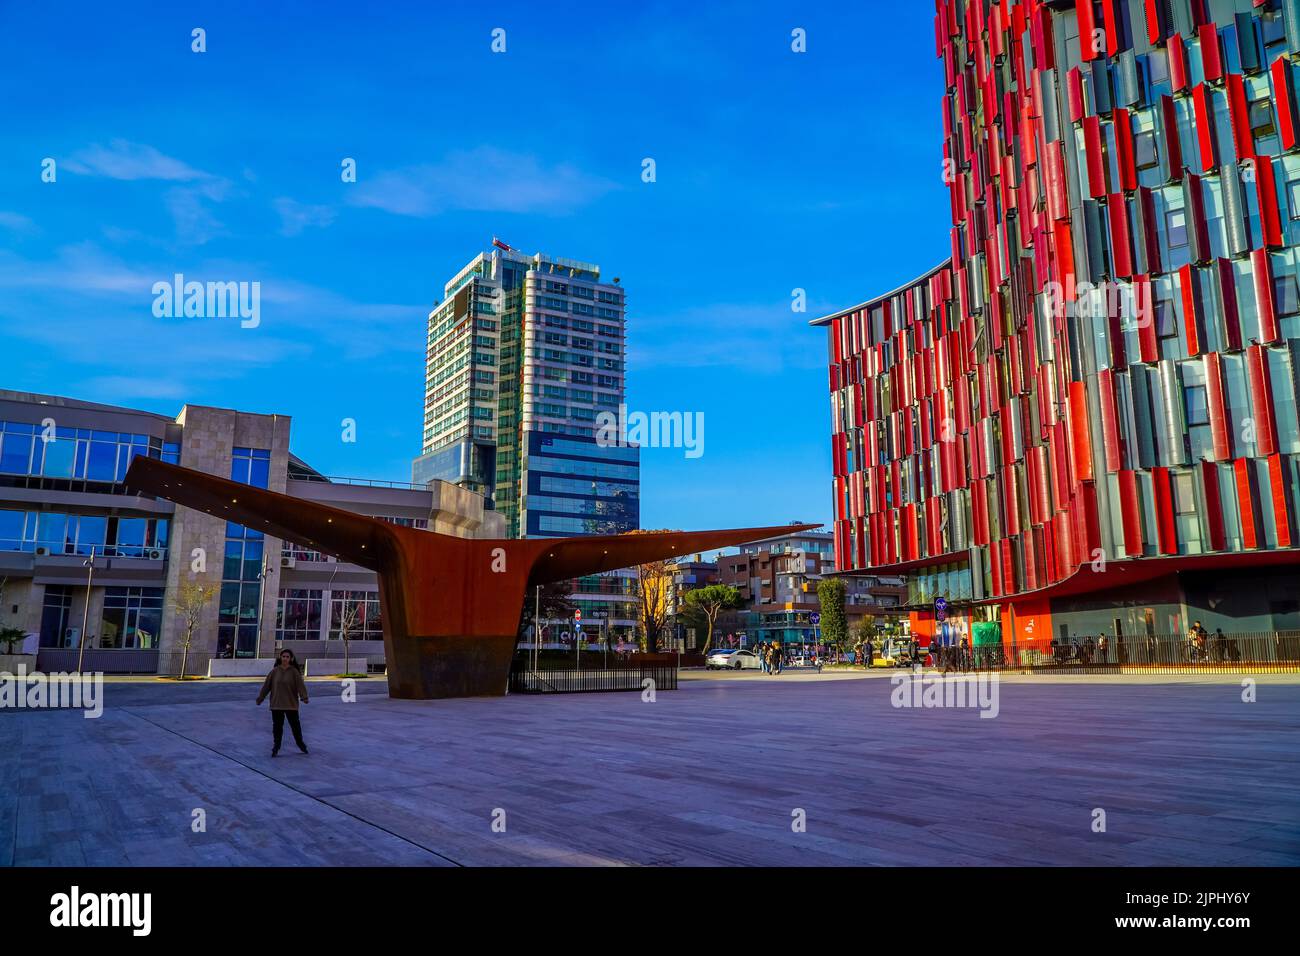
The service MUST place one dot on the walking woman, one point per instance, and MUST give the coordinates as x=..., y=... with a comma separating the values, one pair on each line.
x=286, y=687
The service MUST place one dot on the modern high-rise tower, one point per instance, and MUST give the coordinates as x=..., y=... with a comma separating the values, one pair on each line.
x=523, y=353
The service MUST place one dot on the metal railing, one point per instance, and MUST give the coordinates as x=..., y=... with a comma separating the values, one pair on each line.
x=1238, y=652
x=622, y=677
x=106, y=660
x=361, y=482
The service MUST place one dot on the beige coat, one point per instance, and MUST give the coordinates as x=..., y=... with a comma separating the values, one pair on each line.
x=286, y=686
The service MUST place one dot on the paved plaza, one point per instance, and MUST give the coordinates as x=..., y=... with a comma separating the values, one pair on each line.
x=711, y=774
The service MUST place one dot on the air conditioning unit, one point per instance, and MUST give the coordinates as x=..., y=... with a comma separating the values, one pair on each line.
x=42, y=552
x=288, y=561
x=155, y=554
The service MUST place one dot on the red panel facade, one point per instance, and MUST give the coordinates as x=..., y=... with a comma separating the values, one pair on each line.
x=1040, y=399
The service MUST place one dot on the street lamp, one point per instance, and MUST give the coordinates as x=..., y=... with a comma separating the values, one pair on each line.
x=262, y=575
x=89, y=564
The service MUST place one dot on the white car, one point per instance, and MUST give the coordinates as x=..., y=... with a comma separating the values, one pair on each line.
x=732, y=660
x=711, y=658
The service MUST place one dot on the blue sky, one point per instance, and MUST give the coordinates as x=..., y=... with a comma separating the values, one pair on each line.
x=775, y=171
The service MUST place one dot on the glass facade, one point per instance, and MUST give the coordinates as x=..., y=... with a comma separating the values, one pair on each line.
x=49, y=532
x=239, y=609
x=56, y=617
x=572, y=488
x=299, y=615
x=360, y=609
x=32, y=454
x=1106, y=366
x=132, y=618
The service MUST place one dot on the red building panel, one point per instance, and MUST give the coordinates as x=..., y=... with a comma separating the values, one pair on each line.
x=1209, y=474
x=1258, y=382
x=1203, y=111
x=1278, y=487
x=1243, y=475
x=1130, y=513
x=1163, y=499
x=1262, y=267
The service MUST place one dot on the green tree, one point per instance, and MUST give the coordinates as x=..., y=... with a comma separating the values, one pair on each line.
x=834, y=623
x=709, y=602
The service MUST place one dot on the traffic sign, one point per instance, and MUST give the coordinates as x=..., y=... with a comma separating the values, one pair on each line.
x=815, y=617
x=577, y=614
x=940, y=609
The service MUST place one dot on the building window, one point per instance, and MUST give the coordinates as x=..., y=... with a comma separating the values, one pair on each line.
x=1184, y=494
x=1144, y=150
x=1286, y=295
x=54, y=616
x=1261, y=117
x=1293, y=198
x=1197, y=408
x=1166, y=319
x=250, y=466
x=298, y=615
x=359, y=610
x=132, y=618
x=1176, y=228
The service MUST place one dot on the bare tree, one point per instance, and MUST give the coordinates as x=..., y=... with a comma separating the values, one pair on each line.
x=349, y=624
x=653, y=581
x=191, y=599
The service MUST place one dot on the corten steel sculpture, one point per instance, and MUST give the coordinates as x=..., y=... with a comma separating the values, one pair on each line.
x=450, y=605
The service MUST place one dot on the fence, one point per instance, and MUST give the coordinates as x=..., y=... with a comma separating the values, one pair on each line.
x=632, y=676
x=1239, y=652
x=103, y=660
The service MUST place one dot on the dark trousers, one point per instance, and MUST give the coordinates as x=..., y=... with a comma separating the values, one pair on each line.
x=277, y=727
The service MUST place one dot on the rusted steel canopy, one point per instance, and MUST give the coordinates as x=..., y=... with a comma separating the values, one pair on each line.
x=451, y=606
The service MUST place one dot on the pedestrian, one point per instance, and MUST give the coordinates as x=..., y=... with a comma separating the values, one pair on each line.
x=776, y=657
x=949, y=658
x=1220, y=645
x=286, y=687
x=1196, y=639
x=965, y=653
x=870, y=649
x=1101, y=649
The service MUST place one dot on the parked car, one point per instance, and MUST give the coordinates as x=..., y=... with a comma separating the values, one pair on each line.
x=733, y=660
x=712, y=659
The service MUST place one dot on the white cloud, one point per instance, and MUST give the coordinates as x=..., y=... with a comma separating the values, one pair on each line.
x=188, y=202
x=83, y=303
x=483, y=180
x=295, y=217
x=16, y=223
x=188, y=205
x=125, y=160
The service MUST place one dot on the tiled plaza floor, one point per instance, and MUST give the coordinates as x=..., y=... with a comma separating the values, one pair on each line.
x=710, y=774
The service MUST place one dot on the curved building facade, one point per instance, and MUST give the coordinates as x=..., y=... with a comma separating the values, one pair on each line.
x=1084, y=420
